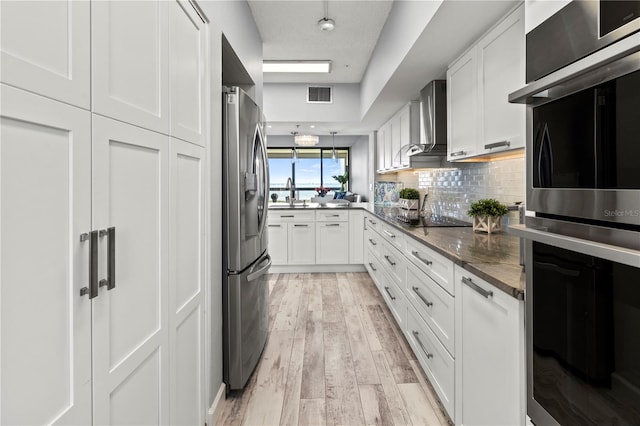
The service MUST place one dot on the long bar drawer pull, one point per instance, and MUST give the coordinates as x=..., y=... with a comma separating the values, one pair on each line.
x=373, y=243
x=300, y=226
x=426, y=352
x=373, y=222
x=417, y=256
x=389, y=234
x=497, y=144
x=391, y=262
x=333, y=215
x=457, y=153
x=287, y=215
x=111, y=258
x=372, y=267
x=389, y=293
x=476, y=287
x=426, y=302
x=274, y=226
x=333, y=224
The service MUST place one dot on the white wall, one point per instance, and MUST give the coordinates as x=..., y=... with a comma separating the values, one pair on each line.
x=359, y=167
x=234, y=19
x=288, y=102
x=406, y=21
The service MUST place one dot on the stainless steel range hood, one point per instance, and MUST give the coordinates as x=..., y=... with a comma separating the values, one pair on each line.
x=431, y=151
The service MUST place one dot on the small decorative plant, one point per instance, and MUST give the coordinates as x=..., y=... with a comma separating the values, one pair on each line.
x=274, y=197
x=409, y=194
x=322, y=191
x=487, y=215
x=342, y=180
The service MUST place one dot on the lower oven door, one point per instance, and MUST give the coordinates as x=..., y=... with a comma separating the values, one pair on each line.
x=583, y=328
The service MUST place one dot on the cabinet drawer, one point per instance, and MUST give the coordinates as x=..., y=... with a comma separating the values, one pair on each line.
x=438, y=267
x=374, y=267
x=372, y=241
x=394, y=263
x=433, y=304
x=284, y=216
x=394, y=298
x=332, y=216
x=433, y=357
x=372, y=222
x=393, y=236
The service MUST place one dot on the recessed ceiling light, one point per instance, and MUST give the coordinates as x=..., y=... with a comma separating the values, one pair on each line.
x=297, y=66
x=269, y=126
x=312, y=126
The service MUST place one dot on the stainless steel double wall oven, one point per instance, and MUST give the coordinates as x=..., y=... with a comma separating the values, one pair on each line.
x=583, y=242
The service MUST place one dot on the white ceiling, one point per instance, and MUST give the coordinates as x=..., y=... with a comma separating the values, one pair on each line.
x=289, y=31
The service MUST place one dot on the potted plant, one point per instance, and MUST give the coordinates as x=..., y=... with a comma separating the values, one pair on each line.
x=487, y=215
x=274, y=197
x=342, y=180
x=409, y=198
x=322, y=191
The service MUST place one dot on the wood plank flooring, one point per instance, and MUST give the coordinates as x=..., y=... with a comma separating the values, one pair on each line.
x=335, y=356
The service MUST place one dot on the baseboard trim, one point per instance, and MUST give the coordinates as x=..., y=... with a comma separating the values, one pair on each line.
x=301, y=269
x=216, y=406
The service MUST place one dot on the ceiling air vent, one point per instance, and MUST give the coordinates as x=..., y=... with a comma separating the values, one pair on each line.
x=319, y=94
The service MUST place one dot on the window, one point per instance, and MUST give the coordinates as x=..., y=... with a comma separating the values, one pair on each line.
x=313, y=168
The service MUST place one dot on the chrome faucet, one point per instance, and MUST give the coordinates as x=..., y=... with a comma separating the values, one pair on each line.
x=292, y=190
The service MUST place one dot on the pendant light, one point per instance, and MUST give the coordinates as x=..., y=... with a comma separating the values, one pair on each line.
x=326, y=23
x=334, y=155
x=294, y=152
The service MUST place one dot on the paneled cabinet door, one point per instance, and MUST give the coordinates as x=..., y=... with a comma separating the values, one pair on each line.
x=380, y=137
x=489, y=346
x=301, y=243
x=130, y=63
x=187, y=41
x=405, y=133
x=332, y=243
x=45, y=48
x=130, y=174
x=501, y=71
x=186, y=283
x=278, y=243
x=45, y=171
x=462, y=107
x=396, y=140
x=356, y=237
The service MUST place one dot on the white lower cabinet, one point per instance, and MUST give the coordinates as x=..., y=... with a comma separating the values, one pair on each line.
x=490, y=383
x=301, y=243
x=332, y=243
x=436, y=362
x=278, y=243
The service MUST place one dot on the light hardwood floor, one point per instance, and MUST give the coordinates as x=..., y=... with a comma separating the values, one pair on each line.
x=335, y=356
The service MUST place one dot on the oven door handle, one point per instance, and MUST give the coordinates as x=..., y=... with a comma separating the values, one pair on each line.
x=545, y=158
x=557, y=268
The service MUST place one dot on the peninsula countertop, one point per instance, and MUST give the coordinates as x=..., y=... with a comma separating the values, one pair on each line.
x=492, y=257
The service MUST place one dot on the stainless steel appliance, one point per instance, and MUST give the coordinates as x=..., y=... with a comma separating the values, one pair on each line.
x=433, y=115
x=245, y=289
x=583, y=242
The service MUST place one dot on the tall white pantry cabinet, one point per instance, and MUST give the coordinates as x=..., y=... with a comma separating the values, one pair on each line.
x=102, y=165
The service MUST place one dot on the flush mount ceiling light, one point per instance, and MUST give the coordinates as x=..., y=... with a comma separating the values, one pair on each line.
x=326, y=23
x=306, y=140
x=296, y=66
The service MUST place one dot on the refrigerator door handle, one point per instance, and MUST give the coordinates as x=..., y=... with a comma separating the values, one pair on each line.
x=255, y=274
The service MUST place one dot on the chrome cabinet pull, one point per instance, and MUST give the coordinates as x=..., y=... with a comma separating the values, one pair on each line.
x=426, y=352
x=373, y=243
x=302, y=226
x=332, y=215
x=476, y=287
x=416, y=290
x=372, y=267
x=457, y=153
x=417, y=256
x=274, y=226
x=389, y=293
x=111, y=258
x=391, y=262
x=287, y=215
x=372, y=222
x=332, y=224
x=92, y=290
x=497, y=144
x=389, y=234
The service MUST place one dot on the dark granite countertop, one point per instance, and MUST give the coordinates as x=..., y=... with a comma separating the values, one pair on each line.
x=495, y=258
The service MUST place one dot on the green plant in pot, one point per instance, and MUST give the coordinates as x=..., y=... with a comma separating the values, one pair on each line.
x=409, y=194
x=487, y=215
x=409, y=204
x=274, y=197
x=342, y=180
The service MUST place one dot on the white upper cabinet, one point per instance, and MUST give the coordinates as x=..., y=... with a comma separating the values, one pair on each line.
x=396, y=142
x=501, y=56
x=130, y=62
x=187, y=41
x=380, y=149
x=462, y=111
x=402, y=129
x=45, y=48
x=481, y=121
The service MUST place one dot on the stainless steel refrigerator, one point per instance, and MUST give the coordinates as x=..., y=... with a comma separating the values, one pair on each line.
x=245, y=290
